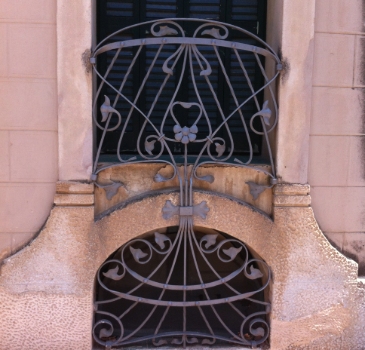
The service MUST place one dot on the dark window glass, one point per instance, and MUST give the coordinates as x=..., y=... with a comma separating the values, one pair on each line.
x=113, y=15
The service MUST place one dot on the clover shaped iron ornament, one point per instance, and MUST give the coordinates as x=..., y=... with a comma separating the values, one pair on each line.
x=185, y=134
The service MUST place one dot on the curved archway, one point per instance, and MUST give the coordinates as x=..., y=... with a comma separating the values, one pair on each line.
x=181, y=287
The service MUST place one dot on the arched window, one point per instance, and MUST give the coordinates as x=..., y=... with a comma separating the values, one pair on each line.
x=182, y=286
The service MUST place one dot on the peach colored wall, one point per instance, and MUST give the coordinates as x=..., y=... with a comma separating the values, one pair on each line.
x=28, y=119
x=337, y=135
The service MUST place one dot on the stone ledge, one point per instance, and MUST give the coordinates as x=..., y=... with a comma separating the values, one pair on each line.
x=291, y=201
x=74, y=199
x=291, y=189
x=66, y=187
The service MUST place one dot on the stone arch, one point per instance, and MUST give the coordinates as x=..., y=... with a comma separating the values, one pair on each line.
x=226, y=214
x=131, y=278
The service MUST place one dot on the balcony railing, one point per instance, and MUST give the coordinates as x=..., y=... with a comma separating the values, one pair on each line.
x=187, y=93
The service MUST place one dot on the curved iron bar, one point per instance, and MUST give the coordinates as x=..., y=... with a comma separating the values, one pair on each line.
x=109, y=330
x=185, y=240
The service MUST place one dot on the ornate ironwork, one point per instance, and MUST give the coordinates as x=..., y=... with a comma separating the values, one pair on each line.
x=214, y=303
x=158, y=146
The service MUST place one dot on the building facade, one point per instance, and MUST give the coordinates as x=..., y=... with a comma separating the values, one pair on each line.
x=57, y=228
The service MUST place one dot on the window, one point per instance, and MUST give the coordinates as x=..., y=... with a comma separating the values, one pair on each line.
x=169, y=288
x=116, y=14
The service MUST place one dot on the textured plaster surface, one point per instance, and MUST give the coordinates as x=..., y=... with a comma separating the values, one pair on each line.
x=317, y=300
x=139, y=178
x=74, y=199
x=74, y=187
x=46, y=289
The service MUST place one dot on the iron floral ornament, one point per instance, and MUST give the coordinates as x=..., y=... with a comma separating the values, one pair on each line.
x=213, y=143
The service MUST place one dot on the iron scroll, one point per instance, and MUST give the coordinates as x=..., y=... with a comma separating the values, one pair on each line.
x=186, y=247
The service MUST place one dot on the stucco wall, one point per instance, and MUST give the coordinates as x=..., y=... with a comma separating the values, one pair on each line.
x=28, y=119
x=337, y=132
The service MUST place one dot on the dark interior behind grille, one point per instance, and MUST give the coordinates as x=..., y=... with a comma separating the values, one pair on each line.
x=116, y=14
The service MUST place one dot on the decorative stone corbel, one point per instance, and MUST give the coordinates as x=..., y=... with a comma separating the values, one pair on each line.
x=291, y=195
x=73, y=193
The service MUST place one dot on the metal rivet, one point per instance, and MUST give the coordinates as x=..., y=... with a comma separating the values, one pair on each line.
x=273, y=181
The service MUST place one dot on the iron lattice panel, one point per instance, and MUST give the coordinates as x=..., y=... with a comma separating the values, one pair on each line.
x=184, y=133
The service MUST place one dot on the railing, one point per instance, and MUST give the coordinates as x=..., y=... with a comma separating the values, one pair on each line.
x=175, y=56
x=205, y=128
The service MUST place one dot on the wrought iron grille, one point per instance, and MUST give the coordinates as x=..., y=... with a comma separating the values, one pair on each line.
x=182, y=287
x=184, y=135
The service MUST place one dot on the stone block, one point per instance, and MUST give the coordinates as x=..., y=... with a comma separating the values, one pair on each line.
x=356, y=170
x=3, y=49
x=339, y=209
x=74, y=187
x=291, y=201
x=337, y=161
x=337, y=111
x=339, y=16
x=74, y=199
x=359, y=70
x=291, y=189
x=33, y=156
x=333, y=60
x=29, y=11
x=25, y=207
x=27, y=104
x=4, y=156
x=32, y=50
x=329, y=160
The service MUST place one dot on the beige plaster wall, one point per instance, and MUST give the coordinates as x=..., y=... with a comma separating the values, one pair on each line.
x=293, y=39
x=337, y=128
x=28, y=119
x=74, y=38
